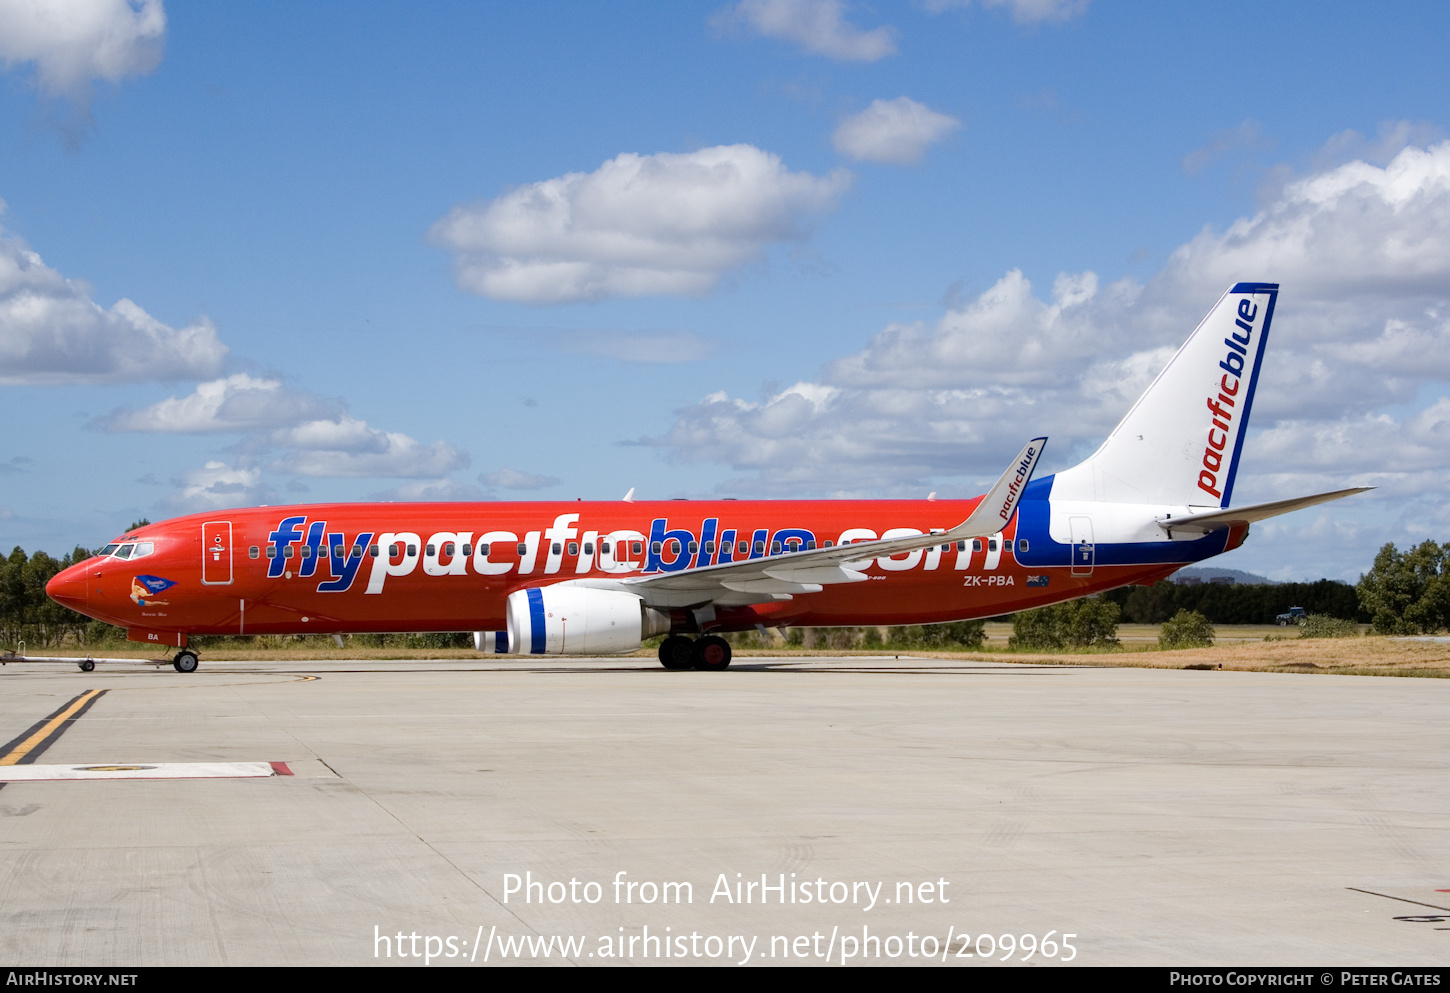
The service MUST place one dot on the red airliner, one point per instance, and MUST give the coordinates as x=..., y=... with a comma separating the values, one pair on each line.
x=600, y=577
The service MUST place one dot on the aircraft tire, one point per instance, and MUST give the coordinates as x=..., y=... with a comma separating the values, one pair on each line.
x=677, y=652
x=87, y=665
x=712, y=654
x=185, y=661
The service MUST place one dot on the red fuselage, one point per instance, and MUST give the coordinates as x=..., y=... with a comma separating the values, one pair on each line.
x=340, y=568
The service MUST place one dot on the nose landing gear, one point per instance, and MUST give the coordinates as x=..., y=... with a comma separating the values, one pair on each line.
x=710, y=653
x=185, y=661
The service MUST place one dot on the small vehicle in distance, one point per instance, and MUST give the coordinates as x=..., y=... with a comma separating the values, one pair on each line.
x=1294, y=616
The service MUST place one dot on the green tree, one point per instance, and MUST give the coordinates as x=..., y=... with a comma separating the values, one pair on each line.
x=1089, y=622
x=1186, y=629
x=26, y=613
x=954, y=636
x=1405, y=592
x=1151, y=604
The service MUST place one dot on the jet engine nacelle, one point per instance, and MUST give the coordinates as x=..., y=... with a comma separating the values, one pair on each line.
x=573, y=620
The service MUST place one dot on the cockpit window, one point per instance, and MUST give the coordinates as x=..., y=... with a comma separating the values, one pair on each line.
x=124, y=552
x=143, y=548
x=109, y=549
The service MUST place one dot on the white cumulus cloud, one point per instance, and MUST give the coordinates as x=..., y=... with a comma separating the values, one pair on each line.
x=1355, y=231
x=431, y=491
x=51, y=331
x=236, y=403
x=295, y=433
x=346, y=446
x=818, y=26
x=893, y=131
x=639, y=225
x=218, y=485
x=73, y=42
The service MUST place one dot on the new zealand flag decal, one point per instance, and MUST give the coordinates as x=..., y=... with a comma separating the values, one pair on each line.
x=1037, y=580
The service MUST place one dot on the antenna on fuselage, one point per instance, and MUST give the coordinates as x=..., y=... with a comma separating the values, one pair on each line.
x=629, y=497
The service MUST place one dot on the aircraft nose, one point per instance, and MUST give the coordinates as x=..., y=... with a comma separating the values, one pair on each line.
x=68, y=587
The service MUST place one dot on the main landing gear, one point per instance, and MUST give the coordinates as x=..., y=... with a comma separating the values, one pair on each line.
x=710, y=653
x=185, y=661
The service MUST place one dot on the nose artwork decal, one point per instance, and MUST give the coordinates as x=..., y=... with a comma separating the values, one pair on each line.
x=145, y=588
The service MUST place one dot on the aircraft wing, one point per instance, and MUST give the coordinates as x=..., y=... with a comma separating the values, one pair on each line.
x=771, y=577
x=1214, y=520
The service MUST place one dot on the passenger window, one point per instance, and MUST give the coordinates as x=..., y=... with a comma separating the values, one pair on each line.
x=1021, y=544
x=603, y=547
x=589, y=548
x=449, y=548
x=638, y=547
x=124, y=552
x=829, y=543
x=338, y=551
x=556, y=548
x=271, y=551
x=394, y=550
x=810, y=546
x=373, y=551
x=523, y=548
x=760, y=548
x=709, y=548
x=287, y=552
x=431, y=550
x=412, y=550
x=976, y=544
x=674, y=546
x=307, y=551
x=483, y=548
x=744, y=548
x=991, y=544
x=467, y=548
x=694, y=548
x=962, y=545
x=253, y=552
x=357, y=551
x=573, y=548
x=775, y=548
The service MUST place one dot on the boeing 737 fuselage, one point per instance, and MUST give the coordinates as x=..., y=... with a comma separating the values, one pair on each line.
x=600, y=577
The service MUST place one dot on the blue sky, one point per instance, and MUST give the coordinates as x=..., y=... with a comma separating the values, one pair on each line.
x=307, y=207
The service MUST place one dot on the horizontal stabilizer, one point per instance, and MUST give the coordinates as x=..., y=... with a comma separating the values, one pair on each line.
x=1215, y=520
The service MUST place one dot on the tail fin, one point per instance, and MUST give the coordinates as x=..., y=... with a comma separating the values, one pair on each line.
x=1180, y=444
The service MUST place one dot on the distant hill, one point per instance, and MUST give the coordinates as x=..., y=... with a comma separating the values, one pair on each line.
x=1203, y=573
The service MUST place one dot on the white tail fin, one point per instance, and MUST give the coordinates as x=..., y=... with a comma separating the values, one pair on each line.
x=1180, y=444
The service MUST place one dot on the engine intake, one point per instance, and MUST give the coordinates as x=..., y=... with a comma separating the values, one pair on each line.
x=572, y=620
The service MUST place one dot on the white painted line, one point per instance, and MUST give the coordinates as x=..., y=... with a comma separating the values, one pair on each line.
x=141, y=770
